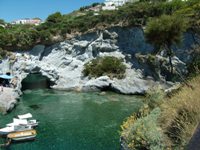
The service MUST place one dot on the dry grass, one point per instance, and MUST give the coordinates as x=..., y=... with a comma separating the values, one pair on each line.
x=181, y=114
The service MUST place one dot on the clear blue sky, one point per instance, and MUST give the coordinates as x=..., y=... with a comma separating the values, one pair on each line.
x=16, y=9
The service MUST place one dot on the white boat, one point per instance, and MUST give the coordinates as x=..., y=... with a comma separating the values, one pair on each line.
x=32, y=122
x=27, y=117
x=17, y=122
x=14, y=128
x=21, y=124
x=22, y=135
x=6, y=130
x=24, y=120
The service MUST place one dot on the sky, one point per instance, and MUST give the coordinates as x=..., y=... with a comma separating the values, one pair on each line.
x=11, y=10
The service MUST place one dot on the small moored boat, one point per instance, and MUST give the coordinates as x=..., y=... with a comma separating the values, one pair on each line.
x=22, y=123
x=24, y=120
x=22, y=135
x=14, y=128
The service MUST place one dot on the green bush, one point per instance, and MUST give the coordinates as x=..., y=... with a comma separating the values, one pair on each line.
x=154, y=97
x=110, y=66
x=18, y=37
x=143, y=132
x=3, y=53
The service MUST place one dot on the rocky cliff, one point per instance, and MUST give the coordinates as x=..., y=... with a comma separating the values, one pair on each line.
x=63, y=62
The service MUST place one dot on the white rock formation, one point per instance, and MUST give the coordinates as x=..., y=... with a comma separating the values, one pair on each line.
x=7, y=99
x=63, y=62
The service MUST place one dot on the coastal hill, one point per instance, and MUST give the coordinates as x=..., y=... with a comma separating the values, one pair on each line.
x=58, y=27
x=139, y=47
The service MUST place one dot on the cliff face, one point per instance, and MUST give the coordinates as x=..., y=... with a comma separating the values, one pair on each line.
x=63, y=62
x=7, y=99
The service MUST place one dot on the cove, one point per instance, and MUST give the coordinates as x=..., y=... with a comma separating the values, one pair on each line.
x=74, y=121
x=35, y=81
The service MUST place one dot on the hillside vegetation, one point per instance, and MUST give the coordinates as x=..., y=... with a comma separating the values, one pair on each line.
x=57, y=27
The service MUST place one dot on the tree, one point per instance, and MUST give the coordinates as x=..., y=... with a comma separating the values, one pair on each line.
x=2, y=21
x=95, y=4
x=165, y=31
x=55, y=18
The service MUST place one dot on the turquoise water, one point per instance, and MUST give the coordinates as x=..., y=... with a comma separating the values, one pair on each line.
x=74, y=121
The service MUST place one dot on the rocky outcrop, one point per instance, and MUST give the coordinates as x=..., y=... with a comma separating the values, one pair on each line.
x=63, y=62
x=8, y=99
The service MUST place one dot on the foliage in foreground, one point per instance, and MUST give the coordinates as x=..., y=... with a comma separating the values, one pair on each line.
x=177, y=121
x=141, y=131
x=181, y=114
x=110, y=66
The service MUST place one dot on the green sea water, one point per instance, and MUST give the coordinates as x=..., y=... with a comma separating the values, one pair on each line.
x=74, y=121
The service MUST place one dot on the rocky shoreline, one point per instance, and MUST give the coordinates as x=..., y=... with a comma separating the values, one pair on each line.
x=63, y=63
x=8, y=99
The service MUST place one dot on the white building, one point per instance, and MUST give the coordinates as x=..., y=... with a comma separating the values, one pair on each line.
x=34, y=21
x=20, y=21
x=113, y=4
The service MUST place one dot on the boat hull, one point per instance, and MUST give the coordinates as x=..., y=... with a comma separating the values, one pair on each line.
x=6, y=133
x=22, y=135
x=24, y=138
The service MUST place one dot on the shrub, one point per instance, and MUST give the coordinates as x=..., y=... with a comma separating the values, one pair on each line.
x=3, y=53
x=154, y=97
x=110, y=66
x=143, y=132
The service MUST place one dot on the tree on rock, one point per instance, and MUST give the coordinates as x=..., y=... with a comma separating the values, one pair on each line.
x=165, y=31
